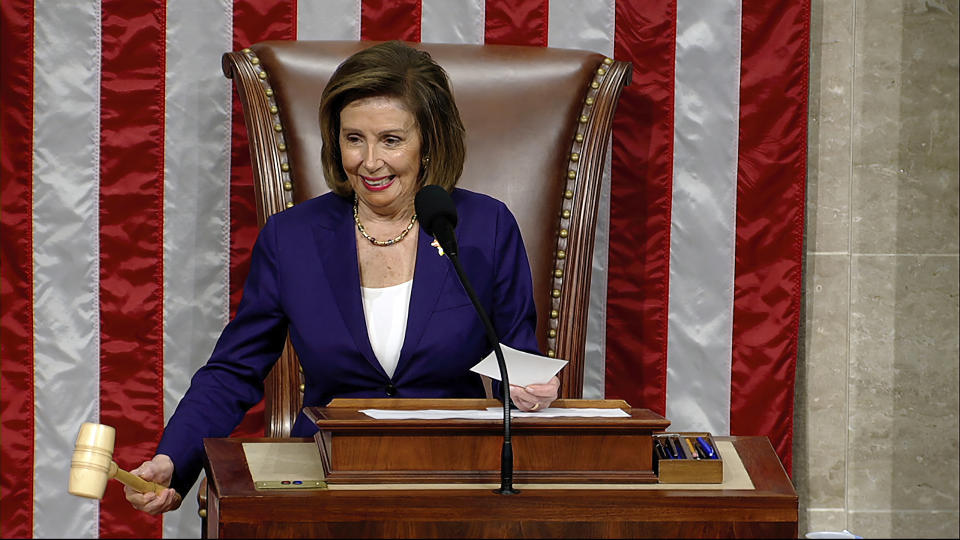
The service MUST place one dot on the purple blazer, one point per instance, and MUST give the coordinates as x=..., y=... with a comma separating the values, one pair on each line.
x=304, y=279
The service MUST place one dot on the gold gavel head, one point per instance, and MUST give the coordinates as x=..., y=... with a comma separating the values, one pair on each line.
x=92, y=464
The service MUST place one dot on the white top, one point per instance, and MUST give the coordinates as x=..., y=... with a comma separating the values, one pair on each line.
x=385, y=310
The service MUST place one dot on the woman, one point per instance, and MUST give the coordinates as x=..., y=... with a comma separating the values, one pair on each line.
x=371, y=308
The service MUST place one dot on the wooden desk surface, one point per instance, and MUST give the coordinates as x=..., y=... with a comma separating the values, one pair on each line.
x=237, y=509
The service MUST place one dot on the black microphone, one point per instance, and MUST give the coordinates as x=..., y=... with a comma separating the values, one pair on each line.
x=438, y=217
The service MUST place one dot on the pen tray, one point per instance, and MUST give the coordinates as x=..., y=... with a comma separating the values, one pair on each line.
x=685, y=469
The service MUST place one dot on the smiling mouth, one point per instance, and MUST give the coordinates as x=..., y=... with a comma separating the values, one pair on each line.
x=378, y=184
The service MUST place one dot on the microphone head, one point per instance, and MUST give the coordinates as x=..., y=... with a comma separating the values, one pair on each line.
x=434, y=207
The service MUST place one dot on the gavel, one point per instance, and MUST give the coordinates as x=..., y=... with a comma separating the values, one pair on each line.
x=92, y=464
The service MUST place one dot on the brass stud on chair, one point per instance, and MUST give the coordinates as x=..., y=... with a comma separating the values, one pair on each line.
x=289, y=204
x=273, y=109
x=282, y=147
x=268, y=92
x=554, y=314
x=590, y=101
x=579, y=137
x=556, y=293
x=278, y=128
x=583, y=119
x=288, y=186
x=568, y=194
x=574, y=157
x=262, y=74
x=601, y=71
x=566, y=213
x=285, y=167
x=552, y=353
x=558, y=273
x=594, y=85
x=571, y=174
x=245, y=50
x=552, y=333
x=303, y=387
x=608, y=61
x=561, y=254
x=564, y=233
x=254, y=60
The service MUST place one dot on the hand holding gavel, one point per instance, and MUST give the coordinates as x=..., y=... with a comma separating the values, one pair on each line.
x=92, y=466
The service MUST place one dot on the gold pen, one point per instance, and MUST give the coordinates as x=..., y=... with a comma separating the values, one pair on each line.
x=693, y=451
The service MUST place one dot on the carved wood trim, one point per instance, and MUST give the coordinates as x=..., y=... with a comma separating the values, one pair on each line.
x=273, y=189
x=574, y=254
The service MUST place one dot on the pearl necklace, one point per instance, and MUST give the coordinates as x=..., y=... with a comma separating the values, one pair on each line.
x=374, y=241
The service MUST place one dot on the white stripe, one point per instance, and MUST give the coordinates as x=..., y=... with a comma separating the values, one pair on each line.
x=452, y=21
x=195, y=226
x=328, y=19
x=702, y=233
x=575, y=24
x=66, y=173
x=595, y=350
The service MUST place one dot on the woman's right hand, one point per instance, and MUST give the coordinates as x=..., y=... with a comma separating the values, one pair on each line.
x=159, y=470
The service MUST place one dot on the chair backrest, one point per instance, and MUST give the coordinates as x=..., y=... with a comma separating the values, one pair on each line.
x=538, y=121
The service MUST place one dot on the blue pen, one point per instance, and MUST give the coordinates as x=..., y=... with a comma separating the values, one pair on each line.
x=668, y=448
x=671, y=453
x=707, y=448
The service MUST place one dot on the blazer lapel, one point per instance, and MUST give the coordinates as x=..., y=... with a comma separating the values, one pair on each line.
x=338, y=252
x=429, y=276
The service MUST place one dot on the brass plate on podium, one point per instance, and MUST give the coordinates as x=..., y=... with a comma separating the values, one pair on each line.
x=357, y=449
x=284, y=466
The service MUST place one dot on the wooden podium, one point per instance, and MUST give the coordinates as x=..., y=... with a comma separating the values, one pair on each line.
x=356, y=449
x=395, y=497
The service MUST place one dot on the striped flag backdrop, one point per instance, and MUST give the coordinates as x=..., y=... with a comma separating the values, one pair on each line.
x=128, y=217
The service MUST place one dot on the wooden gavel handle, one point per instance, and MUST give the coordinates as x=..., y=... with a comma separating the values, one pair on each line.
x=134, y=481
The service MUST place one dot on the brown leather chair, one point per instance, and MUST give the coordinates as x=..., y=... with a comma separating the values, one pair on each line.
x=538, y=122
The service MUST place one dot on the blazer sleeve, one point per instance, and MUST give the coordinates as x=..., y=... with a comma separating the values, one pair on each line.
x=231, y=382
x=514, y=311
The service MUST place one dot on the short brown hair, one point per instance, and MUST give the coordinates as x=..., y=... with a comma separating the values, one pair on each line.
x=397, y=70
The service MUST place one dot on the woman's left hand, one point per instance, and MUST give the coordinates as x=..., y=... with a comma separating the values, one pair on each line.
x=535, y=397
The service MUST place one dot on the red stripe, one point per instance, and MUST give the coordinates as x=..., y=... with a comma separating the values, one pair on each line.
x=131, y=245
x=253, y=21
x=771, y=178
x=16, y=269
x=642, y=183
x=516, y=22
x=383, y=20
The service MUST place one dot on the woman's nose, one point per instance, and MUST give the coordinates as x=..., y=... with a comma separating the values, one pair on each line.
x=371, y=160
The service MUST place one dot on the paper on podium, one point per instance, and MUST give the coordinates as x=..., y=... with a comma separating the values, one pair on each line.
x=492, y=413
x=523, y=368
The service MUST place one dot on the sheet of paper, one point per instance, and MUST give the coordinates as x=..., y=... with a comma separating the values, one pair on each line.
x=523, y=368
x=493, y=413
x=558, y=412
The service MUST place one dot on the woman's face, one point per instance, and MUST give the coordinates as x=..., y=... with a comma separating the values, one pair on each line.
x=380, y=152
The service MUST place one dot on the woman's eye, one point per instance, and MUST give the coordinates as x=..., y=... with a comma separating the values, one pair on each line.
x=391, y=141
x=352, y=139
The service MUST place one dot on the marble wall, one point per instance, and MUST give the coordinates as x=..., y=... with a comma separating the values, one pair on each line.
x=876, y=430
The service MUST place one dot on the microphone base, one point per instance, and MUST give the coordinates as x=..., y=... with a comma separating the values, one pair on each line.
x=506, y=491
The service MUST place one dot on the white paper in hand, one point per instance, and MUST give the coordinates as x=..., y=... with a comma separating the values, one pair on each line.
x=523, y=368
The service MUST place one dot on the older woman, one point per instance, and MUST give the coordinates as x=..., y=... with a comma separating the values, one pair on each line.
x=371, y=308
